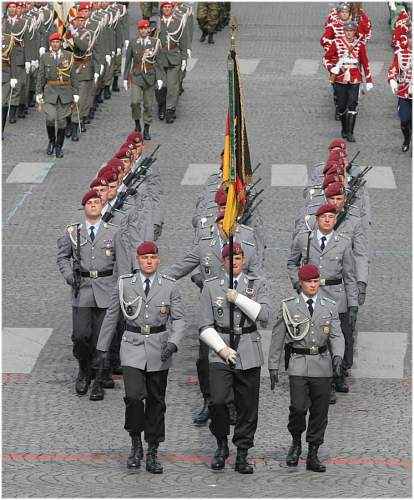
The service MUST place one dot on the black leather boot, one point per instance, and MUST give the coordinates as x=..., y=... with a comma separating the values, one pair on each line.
x=75, y=137
x=68, y=129
x=340, y=385
x=136, y=454
x=107, y=92
x=59, y=142
x=202, y=417
x=115, y=87
x=107, y=380
x=242, y=465
x=222, y=452
x=312, y=461
x=137, y=126
x=82, y=125
x=84, y=378
x=406, y=130
x=210, y=38
x=52, y=139
x=169, y=116
x=203, y=36
x=152, y=465
x=91, y=114
x=351, y=118
x=98, y=97
x=344, y=131
x=12, y=116
x=32, y=102
x=294, y=452
x=161, y=111
x=97, y=391
x=146, y=136
x=4, y=110
x=21, y=113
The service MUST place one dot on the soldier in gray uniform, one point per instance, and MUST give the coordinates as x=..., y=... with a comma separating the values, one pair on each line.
x=243, y=351
x=332, y=251
x=9, y=74
x=148, y=301
x=307, y=326
x=92, y=277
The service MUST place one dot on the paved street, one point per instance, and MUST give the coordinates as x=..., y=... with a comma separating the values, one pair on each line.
x=56, y=444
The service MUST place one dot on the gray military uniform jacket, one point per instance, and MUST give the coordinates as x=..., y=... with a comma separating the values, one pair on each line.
x=143, y=54
x=174, y=42
x=336, y=261
x=323, y=328
x=99, y=255
x=214, y=311
x=162, y=307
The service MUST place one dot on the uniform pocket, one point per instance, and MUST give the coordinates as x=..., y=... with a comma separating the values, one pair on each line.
x=133, y=338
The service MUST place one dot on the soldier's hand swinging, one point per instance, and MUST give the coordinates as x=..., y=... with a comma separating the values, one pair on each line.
x=229, y=355
x=168, y=351
x=274, y=378
x=337, y=366
x=394, y=86
x=159, y=84
x=231, y=295
x=39, y=98
x=370, y=86
x=13, y=82
x=126, y=84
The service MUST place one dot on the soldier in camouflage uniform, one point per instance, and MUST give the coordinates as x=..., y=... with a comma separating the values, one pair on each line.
x=208, y=14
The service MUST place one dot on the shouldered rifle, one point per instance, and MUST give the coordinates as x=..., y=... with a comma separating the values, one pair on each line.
x=358, y=178
x=244, y=219
x=310, y=236
x=141, y=168
x=76, y=263
x=252, y=186
x=353, y=159
x=116, y=207
x=256, y=167
x=350, y=198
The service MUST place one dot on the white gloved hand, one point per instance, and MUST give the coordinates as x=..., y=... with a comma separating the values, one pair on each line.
x=393, y=85
x=34, y=64
x=72, y=29
x=95, y=77
x=335, y=70
x=229, y=355
x=118, y=51
x=189, y=53
x=159, y=84
x=102, y=69
x=183, y=64
x=76, y=98
x=42, y=50
x=112, y=53
x=231, y=295
x=27, y=66
x=126, y=43
x=108, y=58
x=13, y=82
x=370, y=86
x=39, y=98
x=126, y=84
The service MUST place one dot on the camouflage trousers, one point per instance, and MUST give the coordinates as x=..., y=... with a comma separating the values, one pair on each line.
x=208, y=16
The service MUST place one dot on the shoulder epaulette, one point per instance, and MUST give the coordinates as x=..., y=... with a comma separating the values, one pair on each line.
x=345, y=236
x=211, y=279
x=248, y=243
x=289, y=298
x=328, y=300
x=206, y=237
x=246, y=227
x=168, y=277
x=126, y=276
x=252, y=277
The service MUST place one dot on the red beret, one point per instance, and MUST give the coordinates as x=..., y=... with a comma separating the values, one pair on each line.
x=143, y=23
x=109, y=176
x=330, y=179
x=335, y=189
x=99, y=181
x=135, y=137
x=123, y=153
x=331, y=163
x=147, y=247
x=9, y=4
x=129, y=144
x=117, y=163
x=84, y=5
x=335, y=169
x=221, y=196
x=164, y=4
x=88, y=196
x=337, y=143
x=55, y=36
x=237, y=250
x=107, y=169
x=220, y=215
x=308, y=272
x=327, y=208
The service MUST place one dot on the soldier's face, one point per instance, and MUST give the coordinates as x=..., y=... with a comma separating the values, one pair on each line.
x=326, y=222
x=85, y=13
x=93, y=208
x=12, y=10
x=349, y=35
x=127, y=165
x=148, y=263
x=19, y=10
x=310, y=287
x=143, y=32
x=338, y=200
x=55, y=44
x=344, y=15
x=112, y=190
x=238, y=263
x=167, y=10
x=103, y=193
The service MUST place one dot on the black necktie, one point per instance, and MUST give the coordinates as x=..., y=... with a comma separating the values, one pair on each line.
x=147, y=286
x=310, y=306
x=235, y=284
x=92, y=228
x=323, y=239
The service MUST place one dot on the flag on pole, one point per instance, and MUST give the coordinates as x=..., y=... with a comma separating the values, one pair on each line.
x=64, y=11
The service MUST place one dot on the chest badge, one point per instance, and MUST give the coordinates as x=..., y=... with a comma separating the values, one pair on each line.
x=220, y=312
x=326, y=330
x=219, y=301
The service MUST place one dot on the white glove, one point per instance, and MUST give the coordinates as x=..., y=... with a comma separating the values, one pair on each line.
x=76, y=98
x=13, y=82
x=393, y=85
x=335, y=70
x=231, y=295
x=112, y=53
x=34, y=64
x=126, y=43
x=229, y=355
x=108, y=58
x=183, y=64
x=126, y=84
x=248, y=306
x=39, y=98
x=95, y=77
x=72, y=29
x=27, y=66
x=189, y=53
x=42, y=50
x=118, y=51
x=159, y=84
x=210, y=337
x=370, y=86
x=102, y=70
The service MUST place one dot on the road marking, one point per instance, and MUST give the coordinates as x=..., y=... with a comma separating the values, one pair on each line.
x=29, y=173
x=289, y=175
x=191, y=63
x=376, y=67
x=198, y=173
x=304, y=67
x=21, y=348
x=379, y=355
x=248, y=66
x=381, y=178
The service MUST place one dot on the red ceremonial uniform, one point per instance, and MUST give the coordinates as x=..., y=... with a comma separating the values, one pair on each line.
x=334, y=29
x=401, y=70
x=399, y=37
x=353, y=59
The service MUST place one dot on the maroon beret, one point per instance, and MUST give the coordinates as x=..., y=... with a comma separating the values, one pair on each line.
x=308, y=272
x=99, y=181
x=331, y=163
x=88, y=196
x=220, y=215
x=327, y=208
x=117, y=163
x=55, y=36
x=237, y=250
x=110, y=176
x=330, y=178
x=221, y=196
x=147, y=247
x=337, y=143
x=334, y=189
x=335, y=168
x=123, y=153
x=107, y=169
x=135, y=136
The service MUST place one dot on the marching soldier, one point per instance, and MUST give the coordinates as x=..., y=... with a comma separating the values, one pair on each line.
x=151, y=305
x=57, y=89
x=208, y=14
x=86, y=258
x=400, y=78
x=234, y=360
x=143, y=54
x=307, y=326
x=9, y=74
x=343, y=60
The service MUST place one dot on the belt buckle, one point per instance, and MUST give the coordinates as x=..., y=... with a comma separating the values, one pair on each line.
x=93, y=274
x=314, y=350
x=238, y=330
x=146, y=329
x=322, y=281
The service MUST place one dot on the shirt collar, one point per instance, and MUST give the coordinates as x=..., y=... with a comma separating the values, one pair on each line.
x=96, y=226
x=239, y=277
x=319, y=235
x=305, y=297
x=143, y=278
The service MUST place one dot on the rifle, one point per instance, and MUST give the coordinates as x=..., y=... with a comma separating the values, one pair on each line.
x=76, y=263
x=250, y=188
x=351, y=197
x=256, y=167
x=141, y=168
x=358, y=178
x=306, y=259
x=244, y=219
x=352, y=161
